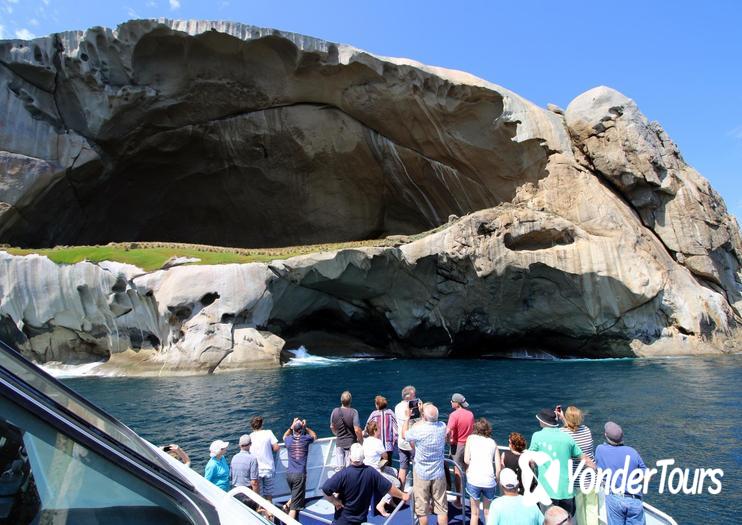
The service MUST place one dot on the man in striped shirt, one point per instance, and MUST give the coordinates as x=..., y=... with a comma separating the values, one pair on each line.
x=428, y=437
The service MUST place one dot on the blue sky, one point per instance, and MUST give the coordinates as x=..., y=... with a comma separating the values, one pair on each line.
x=681, y=61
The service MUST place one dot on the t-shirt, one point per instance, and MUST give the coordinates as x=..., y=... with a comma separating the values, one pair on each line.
x=560, y=446
x=217, y=471
x=373, y=449
x=243, y=469
x=344, y=420
x=481, y=471
x=356, y=485
x=584, y=439
x=297, y=449
x=512, y=510
x=262, y=449
x=400, y=414
x=614, y=458
x=460, y=425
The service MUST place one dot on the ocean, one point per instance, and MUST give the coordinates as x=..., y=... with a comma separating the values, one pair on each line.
x=686, y=409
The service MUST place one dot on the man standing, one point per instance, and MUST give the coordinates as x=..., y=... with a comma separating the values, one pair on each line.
x=297, y=439
x=510, y=508
x=243, y=471
x=403, y=447
x=264, y=445
x=561, y=447
x=352, y=489
x=344, y=424
x=429, y=484
x=623, y=507
x=460, y=426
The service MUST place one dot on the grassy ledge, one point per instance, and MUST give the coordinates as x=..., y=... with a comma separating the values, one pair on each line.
x=152, y=255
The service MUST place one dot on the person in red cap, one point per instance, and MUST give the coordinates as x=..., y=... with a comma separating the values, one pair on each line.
x=459, y=428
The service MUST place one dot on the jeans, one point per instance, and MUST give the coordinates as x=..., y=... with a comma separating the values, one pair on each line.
x=624, y=510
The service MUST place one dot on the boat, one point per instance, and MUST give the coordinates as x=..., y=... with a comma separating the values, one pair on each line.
x=65, y=460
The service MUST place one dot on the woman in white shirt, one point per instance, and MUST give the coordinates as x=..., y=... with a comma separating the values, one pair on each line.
x=482, y=461
x=376, y=456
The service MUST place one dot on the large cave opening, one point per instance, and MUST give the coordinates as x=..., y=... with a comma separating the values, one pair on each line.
x=214, y=139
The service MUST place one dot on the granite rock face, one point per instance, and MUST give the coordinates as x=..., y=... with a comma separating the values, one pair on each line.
x=581, y=231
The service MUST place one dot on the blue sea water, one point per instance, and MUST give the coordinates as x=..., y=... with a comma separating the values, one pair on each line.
x=687, y=409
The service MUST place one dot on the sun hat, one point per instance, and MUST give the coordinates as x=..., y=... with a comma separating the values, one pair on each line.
x=508, y=478
x=216, y=446
x=356, y=453
x=245, y=439
x=548, y=417
x=613, y=433
x=460, y=399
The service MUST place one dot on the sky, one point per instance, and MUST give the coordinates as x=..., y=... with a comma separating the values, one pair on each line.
x=681, y=61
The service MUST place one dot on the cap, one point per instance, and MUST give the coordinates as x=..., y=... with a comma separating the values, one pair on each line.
x=548, y=417
x=356, y=453
x=613, y=433
x=508, y=478
x=245, y=439
x=460, y=399
x=216, y=446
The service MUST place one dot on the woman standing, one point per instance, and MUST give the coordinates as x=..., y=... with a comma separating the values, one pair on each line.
x=510, y=458
x=482, y=461
x=586, y=505
x=217, y=468
x=386, y=422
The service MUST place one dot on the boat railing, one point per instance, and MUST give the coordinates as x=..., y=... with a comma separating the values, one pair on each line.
x=320, y=464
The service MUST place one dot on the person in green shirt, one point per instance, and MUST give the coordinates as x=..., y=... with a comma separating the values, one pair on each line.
x=561, y=447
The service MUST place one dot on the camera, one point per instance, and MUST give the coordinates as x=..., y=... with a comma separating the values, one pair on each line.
x=414, y=408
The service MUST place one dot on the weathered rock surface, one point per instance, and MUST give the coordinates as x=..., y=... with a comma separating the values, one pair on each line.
x=581, y=231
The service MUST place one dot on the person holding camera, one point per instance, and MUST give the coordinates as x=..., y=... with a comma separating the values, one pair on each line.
x=297, y=439
x=178, y=453
x=409, y=403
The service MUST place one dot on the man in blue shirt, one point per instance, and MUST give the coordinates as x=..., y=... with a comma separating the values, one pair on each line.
x=623, y=498
x=352, y=489
x=243, y=470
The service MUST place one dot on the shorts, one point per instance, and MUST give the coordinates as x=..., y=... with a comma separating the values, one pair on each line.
x=477, y=493
x=458, y=454
x=266, y=485
x=405, y=458
x=430, y=492
x=298, y=483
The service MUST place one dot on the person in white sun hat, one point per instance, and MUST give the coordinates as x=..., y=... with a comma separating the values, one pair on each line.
x=217, y=469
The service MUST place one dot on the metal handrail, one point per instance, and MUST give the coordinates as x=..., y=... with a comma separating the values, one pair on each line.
x=397, y=508
x=463, y=484
x=264, y=504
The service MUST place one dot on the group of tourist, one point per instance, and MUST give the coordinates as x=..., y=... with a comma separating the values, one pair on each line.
x=412, y=430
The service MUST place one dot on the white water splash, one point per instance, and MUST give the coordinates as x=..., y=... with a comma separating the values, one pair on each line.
x=302, y=357
x=63, y=371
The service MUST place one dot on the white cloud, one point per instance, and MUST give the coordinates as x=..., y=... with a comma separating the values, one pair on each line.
x=46, y=2
x=131, y=13
x=33, y=22
x=174, y=4
x=224, y=4
x=150, y=3
x=8, y=9
x=12, y=1
x=24, y=34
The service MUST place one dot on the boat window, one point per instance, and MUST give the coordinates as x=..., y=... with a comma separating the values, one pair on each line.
x=47, y=477
x=83, y=409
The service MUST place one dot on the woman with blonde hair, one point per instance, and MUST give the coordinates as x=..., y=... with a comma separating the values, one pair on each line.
x=586, y=505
